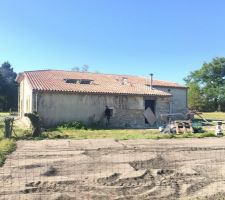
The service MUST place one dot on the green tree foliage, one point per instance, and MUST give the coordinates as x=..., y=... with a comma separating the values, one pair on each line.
x=207, y=86
x=8, y=88
x=84, y=68
x=195, y=99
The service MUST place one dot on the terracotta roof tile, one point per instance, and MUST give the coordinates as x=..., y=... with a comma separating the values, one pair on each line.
x=54, y=81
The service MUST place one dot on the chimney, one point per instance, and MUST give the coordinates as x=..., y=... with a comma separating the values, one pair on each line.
x=124, y=81
x=151, y=81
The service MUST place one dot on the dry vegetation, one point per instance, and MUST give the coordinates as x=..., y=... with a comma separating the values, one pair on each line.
x=119, y=170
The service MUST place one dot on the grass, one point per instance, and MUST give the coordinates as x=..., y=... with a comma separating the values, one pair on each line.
x=19, y=131
x=125, y=134
x=2, y=115
x=7, y=146
x=118, y=134
x=214, y=116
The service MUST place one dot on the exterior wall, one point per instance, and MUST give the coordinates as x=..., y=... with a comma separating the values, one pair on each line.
x=25, y=99
x=162, y=107
x=55, y=108
x=178, y=102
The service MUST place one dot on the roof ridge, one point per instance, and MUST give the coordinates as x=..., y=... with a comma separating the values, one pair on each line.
x=39, y=70
x=84, y=72
x=99, y=73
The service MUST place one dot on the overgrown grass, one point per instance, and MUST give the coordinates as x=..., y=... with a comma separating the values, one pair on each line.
x=119, y=134
x=2, y=115
x=6, y=147
x=21, y=133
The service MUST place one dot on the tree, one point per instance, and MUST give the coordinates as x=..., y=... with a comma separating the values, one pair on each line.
x=84, y=68
x=8, y=87
x=208, y=83
x=195, y=100
x=7, y=73
x=2, y=92
x=76, y=69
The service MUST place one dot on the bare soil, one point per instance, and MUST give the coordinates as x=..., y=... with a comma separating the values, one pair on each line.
x=109, y=169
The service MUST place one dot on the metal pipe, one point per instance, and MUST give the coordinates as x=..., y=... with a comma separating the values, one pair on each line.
x=151, y=81
x=36, y=104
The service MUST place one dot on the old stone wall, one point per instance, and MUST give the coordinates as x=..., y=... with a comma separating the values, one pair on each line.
x=128, y=118
x=178, y=102
x=162, y=107
x=56, y=108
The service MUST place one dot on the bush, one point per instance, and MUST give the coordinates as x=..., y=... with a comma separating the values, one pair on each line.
x=96, y=125
x=73, y=125
x=35, y=122
x=6, y=147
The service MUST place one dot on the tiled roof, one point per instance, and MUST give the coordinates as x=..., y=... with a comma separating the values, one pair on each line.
x=54, y=81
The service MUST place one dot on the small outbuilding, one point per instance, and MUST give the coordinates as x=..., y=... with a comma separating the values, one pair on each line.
x=68, y=96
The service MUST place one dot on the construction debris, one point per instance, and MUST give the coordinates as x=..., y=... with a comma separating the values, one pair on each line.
x=150, y=116
x=170, y=128
x=190, y=115
x=180, y=123
x=183, y=126
x=219, y=130
x=172, y=116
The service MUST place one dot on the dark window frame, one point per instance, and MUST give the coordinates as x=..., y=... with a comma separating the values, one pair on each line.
x=79, y=81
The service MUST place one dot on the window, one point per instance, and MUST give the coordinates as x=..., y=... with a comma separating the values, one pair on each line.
x=71, y=81
x=85, y=81
x=79, y=81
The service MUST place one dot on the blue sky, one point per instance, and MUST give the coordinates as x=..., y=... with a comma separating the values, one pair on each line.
x=167, y=38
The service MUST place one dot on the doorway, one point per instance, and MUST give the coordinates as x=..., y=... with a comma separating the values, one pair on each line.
x=151, y=105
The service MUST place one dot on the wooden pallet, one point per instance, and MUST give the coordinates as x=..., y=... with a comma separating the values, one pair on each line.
x=183, y=126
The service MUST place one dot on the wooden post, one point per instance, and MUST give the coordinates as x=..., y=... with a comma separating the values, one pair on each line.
x=8, y=127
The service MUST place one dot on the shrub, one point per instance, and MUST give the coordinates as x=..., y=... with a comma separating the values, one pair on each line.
x=96, y=125
x=35, y=122
x=73, y=125
x=6, y=147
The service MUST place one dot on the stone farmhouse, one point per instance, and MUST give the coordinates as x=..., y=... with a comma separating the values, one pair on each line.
x=67, y=96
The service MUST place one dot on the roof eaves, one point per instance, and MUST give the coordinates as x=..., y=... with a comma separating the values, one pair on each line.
x=171, y=86
x=105, y=93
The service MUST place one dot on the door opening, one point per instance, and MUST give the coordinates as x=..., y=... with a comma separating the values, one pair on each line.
x=151, y=105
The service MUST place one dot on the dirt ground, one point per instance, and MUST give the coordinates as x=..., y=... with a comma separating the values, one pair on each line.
x=109, y=169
